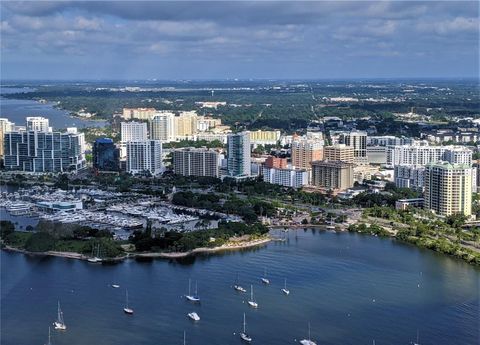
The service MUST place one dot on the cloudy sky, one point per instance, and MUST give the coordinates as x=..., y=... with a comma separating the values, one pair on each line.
x=240, y=39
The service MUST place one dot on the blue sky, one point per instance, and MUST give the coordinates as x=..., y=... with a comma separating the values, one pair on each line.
x=240, y=39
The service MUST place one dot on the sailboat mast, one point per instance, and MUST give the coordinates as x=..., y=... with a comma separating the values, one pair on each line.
x=126, y=297
x=243, y=322
x=184, y=338
x=196, y=288
x=189, y=286
x=309, y=336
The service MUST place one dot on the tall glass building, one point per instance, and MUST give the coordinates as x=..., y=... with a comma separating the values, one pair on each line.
x=36, y=151
x=106, y=156
x=238, y=151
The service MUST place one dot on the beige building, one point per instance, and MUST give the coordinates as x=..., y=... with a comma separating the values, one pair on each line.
x=305, y=151
x=336, y=175
x=338, y=152
x=185, y=125
x=264, y=137
x=448, y=188
x=139, y=113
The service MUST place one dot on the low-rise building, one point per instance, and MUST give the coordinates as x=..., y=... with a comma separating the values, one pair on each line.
x=295, y=178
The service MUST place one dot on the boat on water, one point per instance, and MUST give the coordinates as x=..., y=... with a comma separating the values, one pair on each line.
x=308, y=341
x=194, y=316
x=285, y=290
x=60, y=323
x=95, y=258
x=127, y=309
x=190, y=297
x=417, y=342
x=115, y=286
x=243, y=335
x=265, y=280
x=238, y=287
x=252, y=302
x=49, y=338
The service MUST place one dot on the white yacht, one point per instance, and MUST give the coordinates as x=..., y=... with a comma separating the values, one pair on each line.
x=94, y=259
x=264, y=278
x=190, y=297
x=308, y=341
x=127, y=309
x=252, y=302
x=243, y=335
x=285, y=290
x=194, y=316
x=115, y=286
x=60, y=323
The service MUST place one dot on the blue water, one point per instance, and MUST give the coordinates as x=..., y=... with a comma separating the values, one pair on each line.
x=351, y=288
x=16, y=110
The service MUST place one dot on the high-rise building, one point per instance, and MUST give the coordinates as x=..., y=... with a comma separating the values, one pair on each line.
x=134, y=131
x=336, y=175
x=5, y=127
x=448, y=188
x=338, y=152
x=195, y=162
x=422, y=155
x=144, y=156
x=305, y=151
x=357, y=140
x=38, y=151
x=38, y=123
x=162, y=127
x=275, y=162
x=238, y=154
x=106, y=156
x=295, y=178
x=185, y=125
x=409, y=176
x=139, y=113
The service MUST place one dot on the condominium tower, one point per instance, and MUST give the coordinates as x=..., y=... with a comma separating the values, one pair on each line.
x=238, y=154
x=195, y=162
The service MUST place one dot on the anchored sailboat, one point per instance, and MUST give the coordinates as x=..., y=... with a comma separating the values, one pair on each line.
x=243, y=335
x=127, y=309
x=264, y=278
x=60, y=323
x=238, y=287
x=190, y=297
x=417, y=342
x=308, y=341
x=285, y=290
x=95, y=259
x=252, y=302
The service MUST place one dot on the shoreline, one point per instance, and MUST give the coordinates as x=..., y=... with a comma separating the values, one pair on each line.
x=164, y=255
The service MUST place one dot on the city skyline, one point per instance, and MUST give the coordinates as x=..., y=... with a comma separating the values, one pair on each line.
x=227, y=40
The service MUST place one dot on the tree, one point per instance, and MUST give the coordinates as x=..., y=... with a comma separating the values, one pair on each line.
x=6, y=228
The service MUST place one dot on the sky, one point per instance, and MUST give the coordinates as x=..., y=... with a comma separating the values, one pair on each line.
x=238, y=39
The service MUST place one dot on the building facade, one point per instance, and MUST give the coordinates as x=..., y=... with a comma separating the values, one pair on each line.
x=195, y=162
x=138, y=113
x=5, y=127
x=357, y=140
x=162, y=127
x=305, y=151
x=275, y=162
x=38, y=123
x=338, y=152
x=423, y=155
x=106, y=156
x=264, y=137
x=36, y=151
x=295, y=178
x=409, y=176
x=448, y=189
x=144, y=157
x=335, y=175
x=238, y=154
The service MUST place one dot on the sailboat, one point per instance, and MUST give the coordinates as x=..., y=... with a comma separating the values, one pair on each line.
x=49, y=338
x=95, y=259
x=285, y=290
x=127, y=309
x=238, y=287
x=194, y=316
x=243, y=335
x=264, y=278
x=308, y=341
x=252, y=302
x=190, y=297
x=59, y=323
